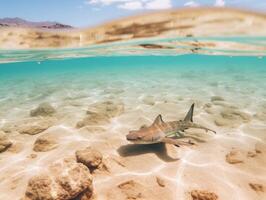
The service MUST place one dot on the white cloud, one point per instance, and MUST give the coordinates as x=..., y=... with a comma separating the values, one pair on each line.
x=106, y=2
x=219, y=3
x=191, y=4
x=134, y=4
x=158, y=4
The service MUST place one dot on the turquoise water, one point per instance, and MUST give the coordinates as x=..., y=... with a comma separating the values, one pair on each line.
x=240, y=79
x=139, y=85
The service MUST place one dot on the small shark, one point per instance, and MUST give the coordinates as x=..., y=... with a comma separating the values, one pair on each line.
x=163, y=132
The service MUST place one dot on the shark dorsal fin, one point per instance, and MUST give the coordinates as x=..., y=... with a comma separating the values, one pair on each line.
x=158, y=120
x=189, y=116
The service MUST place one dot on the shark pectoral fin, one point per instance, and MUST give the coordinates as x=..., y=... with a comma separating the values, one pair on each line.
x=171, y=134
x=212, y=131
x=207, y=129
x=175, y=142
x=193, y=125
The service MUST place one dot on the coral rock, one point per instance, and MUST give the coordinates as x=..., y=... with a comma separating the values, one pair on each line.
x=35, y=127
x=45, y=143
x=63, y=180
x=89, y=157
x=39, y=187
x=203, y=195
x=5, y=143
x=234, y=157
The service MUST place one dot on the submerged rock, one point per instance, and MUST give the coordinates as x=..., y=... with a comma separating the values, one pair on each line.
x=256, y=187
x=217, y=98
x=44, y=109
x=5, y=143
x=16, y=147
x=132, y=190
x=32, y=156
x=101, y=113
x=135, y=190
x=203, y=195
x=234, y=157
x=89, y=157
x=208, y=107
x=251, y=154
x=148, y=100
x=109, y=108
x=231, y=117
x=93, y=118
x=35, y=126
x=219, y=121
x=45, y=143
x=160, y=181
x=260, y=148
x=233, y=114
x=64, y=180
x=209, y=110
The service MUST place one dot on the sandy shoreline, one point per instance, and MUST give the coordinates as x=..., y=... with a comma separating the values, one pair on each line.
x=203, y=22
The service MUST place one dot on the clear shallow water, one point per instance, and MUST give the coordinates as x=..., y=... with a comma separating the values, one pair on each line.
x=180, y=79
x=146, y=86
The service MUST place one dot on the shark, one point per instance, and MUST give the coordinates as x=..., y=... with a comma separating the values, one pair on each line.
x=165, y=132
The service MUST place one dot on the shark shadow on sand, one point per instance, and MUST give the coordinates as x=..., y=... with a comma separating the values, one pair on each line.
x=138, y=149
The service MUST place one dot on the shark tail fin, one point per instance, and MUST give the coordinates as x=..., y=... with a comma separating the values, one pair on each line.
x=189, y=116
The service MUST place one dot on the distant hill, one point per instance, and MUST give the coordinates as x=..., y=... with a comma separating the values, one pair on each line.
x=18, y=22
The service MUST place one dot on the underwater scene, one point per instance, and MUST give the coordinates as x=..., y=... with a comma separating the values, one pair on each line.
x=167, y=105
x=57, y=108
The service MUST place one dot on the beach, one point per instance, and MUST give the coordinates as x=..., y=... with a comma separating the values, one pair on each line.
x=186, y=22
x=49, y=114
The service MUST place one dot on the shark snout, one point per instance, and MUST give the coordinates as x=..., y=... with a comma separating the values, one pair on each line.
x=133, y=135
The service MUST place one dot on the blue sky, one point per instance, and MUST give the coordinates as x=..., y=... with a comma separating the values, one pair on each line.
x=81, y=13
